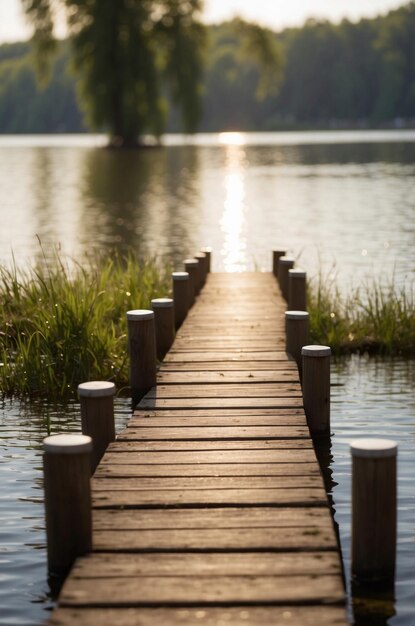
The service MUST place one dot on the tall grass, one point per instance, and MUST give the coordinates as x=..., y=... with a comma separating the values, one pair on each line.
x=376, y=318
x=64, y=323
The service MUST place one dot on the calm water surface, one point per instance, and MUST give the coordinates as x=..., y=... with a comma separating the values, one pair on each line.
x=343, y=199
x=341, y=202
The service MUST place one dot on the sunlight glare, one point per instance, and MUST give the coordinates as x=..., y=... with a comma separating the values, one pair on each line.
x=232, y=139
x=233, y=218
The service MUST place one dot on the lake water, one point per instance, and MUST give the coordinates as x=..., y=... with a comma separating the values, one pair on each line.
x=342, y=202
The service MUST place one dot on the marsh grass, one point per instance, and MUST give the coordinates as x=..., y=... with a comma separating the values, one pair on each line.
x=375, y=318
x=63, y=323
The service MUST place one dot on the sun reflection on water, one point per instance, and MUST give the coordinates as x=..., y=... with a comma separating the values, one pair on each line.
x=233, y=222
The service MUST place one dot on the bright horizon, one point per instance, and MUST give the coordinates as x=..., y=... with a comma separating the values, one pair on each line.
x=13, y=26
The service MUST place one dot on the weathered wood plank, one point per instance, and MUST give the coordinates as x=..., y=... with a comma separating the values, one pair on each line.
x=214, y=482
x=223, y=412
x=159, y=421
x=233, y=403
x=264, y=376
x=213, y=518
x=205, y=616
x=226, y=391
x=226, y=366
x=146, y=432
x=209, y=456
x=202, y=540
x=224, y=356
x=222, y=497
x=103, y=565
x=129, y=466
x=125, y=445
x=191, y=590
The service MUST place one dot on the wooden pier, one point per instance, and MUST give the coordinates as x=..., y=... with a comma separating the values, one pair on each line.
x=210, y=507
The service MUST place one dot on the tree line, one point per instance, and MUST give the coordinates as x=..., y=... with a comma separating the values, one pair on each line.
x=320, y=75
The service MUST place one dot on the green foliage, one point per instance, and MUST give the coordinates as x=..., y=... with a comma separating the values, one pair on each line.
x=375, y=318
x=324, y=75
x=121, y=52
x=64, y=323
x=24, y=108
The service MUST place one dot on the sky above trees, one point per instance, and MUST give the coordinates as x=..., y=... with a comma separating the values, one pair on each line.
x=275, y=14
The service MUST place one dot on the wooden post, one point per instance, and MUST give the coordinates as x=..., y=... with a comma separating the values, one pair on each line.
x=297, y=292
x=208, y=251
x=192, y=267
x=67, y=471
x=181, y=297
x=296, y=335
x=203, y=261
x=97, y=416
x=316, y=388
x=276, y=255
x=164, y=324
x=374, y=511
x=285, y=263
x=142, y=350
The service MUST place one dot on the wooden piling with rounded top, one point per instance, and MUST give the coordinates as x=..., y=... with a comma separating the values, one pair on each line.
x=296, y=335
x=181, y=296
x=297, y=290
x=208, y=251
x=67, y=470
x=374, y=511
x=192, y=267
x=202, y=260
x=97, y=416
x=142, y=351
x=285, y=263
x=276, y=255
x=316, y=388
x=164, y=325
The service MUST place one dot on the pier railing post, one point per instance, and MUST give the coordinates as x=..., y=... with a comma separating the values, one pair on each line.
x=164, y=324
x=276, y=255
x=316, y=388
x=374, y=511
x=296, y=335
x=67, y=471
x=97, y=416
x=297, y=290
x=181, y=296
x=208, y=251
x=285, y=263
x=191, y=266
x=142, y=350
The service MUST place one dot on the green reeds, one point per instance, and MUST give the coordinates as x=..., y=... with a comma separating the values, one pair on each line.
x=64, y=323
x=375, y=318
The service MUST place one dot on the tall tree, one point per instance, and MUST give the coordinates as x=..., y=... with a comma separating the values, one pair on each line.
x=126, y=53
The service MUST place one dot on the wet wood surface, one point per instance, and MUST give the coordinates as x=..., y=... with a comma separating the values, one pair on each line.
x=210, y=508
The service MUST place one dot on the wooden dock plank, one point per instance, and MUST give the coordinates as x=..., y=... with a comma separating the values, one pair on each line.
x=207, y=540
x=129, y=467
x=231, y=403
x=208, y=377
x=226, y=390
x=210, y=590
x=202, y=615
x=265, y=456
x=216, y=482
x=210, y=508
x=188, y=419
x=216, y=433
x=212, y=518
x=169, y=563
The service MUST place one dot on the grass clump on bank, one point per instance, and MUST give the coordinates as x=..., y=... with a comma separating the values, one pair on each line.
x=64, y=323
x=373, y=318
